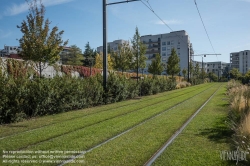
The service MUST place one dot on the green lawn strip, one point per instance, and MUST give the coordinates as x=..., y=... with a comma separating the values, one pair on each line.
x=24, y=139
x=136, y=146
x=91, y=136
x=203, y=139
x=34, y=123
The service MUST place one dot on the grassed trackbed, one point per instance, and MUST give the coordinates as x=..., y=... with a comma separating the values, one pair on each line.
x=203, y=140
x=84, y=129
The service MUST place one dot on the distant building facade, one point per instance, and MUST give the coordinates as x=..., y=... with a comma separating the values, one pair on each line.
x=240, y=60
x=219, y=68
x=163, y=44
x=204, y=65
x=10, y=51
x=112, y=45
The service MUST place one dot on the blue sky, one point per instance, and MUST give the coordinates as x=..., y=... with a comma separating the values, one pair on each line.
x=227, y=22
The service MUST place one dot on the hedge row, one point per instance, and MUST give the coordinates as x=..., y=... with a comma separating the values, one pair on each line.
x=22, y=98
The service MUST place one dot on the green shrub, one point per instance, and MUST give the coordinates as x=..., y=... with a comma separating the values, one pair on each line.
x=22, y=98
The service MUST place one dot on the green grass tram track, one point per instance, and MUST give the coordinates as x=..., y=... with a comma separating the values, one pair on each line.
x=142, y=141
x=176, y=134
x=48, y=133
x=111, y=122
x=5, y=131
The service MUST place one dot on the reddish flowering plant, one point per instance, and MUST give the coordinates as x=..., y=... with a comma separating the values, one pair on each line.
x=82, y=70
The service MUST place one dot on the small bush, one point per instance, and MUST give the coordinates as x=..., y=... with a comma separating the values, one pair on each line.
x=22, y=97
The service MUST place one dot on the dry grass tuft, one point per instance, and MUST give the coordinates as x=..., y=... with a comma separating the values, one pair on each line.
x=183, y=84
x=246, y=125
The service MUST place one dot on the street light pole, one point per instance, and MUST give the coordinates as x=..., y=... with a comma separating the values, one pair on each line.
x=189, y=65
x=105, y=69
x=105, y=66
x=137, y=60
x=202, y=68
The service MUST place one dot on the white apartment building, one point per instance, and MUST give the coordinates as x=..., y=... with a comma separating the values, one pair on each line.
x=112, y=45
x=10, y=50
x=163, y=43
x=240, y=60
x=219, y=68
x=200, y=65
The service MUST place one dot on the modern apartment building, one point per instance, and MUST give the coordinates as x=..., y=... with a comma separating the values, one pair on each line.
x=163, y=43
x=10, y=50
x=112, y=45
x=200, y=65
x=219, y=68
x=240, y=60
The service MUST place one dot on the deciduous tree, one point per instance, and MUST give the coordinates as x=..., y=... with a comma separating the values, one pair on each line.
x=184, y=72
x=122, y=58
x=38, y=43
x=173, y=64
x=235, y=73
x=139, y=50
x=99, y=61
x=156, y=67
x=197, y=70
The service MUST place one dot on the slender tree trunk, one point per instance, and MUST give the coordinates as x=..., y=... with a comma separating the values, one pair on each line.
x=40, y=69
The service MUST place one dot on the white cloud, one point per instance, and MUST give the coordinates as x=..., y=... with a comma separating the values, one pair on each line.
x=169, y=22
x=16, y=9
x=4, y=34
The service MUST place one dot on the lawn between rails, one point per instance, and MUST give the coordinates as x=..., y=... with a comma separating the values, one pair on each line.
x=40, y=122
x=85, y=118
x=53, y=137
x=204, y=138
x=140, y=143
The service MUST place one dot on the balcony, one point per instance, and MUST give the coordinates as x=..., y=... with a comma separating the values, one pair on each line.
x=150, y=57
x=154, y=46
x=153, y=51
x=149, y=42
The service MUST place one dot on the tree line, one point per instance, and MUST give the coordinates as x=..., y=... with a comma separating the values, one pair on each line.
x=45, y=47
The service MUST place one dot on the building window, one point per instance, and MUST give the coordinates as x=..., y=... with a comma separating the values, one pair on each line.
x=172, y=42
x=149, y=40
x=178, y=47
x=163, y=54
x=163, y=48
x=246, y=53
x=163, y=43
x=168, y=43
x=10, y=48
x=179, y=42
